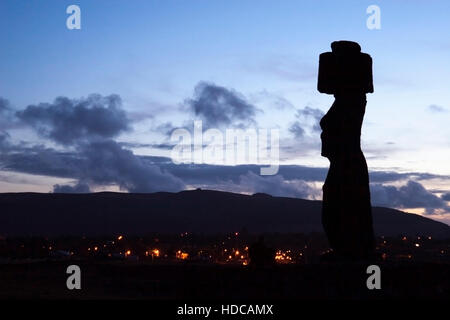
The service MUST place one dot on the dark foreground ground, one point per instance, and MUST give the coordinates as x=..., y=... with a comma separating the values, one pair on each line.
x=128, y=280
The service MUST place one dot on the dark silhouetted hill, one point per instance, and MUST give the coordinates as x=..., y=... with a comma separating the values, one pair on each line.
x=200, y=211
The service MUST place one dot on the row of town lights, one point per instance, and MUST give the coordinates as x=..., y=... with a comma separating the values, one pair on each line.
x=280, y=256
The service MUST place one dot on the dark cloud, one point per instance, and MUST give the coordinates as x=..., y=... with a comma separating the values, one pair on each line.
x=163, y=146
x=297, y=130
x=106, y=162
x=4, y=137
x=4, y=106
x=7, y=116
x=211, y=175
x=97, y=163
x=276, y=186
x=47, y=161
x=392, y=176
x=135, y=145
x=50, y=162
x=218, y=106
x=78, y=188
x=86, y=126
x=411, y=195
x=165, y=128
x=436, y=108
x=306, y=118
x=157, y=160
x=68, y=121
x=200, y=174
x=41, y=161
x=316, y=114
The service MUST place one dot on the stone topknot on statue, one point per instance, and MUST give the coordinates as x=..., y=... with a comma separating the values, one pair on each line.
x=345, y=70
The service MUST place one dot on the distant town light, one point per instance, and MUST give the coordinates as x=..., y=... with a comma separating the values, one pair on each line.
x=281, y=256
x=182, y=255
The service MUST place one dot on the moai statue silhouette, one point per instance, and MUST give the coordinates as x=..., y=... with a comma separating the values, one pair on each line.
x=346, y=73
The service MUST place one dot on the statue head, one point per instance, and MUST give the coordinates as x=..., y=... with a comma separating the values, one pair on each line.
x=345, y=69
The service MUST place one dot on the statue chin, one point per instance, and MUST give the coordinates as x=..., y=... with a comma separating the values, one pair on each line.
x=328, y=155
x=325, y=154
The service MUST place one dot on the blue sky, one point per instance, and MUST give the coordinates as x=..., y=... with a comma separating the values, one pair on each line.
x=153, y=54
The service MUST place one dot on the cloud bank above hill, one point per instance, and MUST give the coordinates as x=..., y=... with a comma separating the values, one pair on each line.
x=86, y=131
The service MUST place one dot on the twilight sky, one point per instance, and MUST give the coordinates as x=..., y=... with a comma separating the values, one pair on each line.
x=92, y=109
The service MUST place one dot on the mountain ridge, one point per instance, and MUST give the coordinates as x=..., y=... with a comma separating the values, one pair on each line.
x=198, y=211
